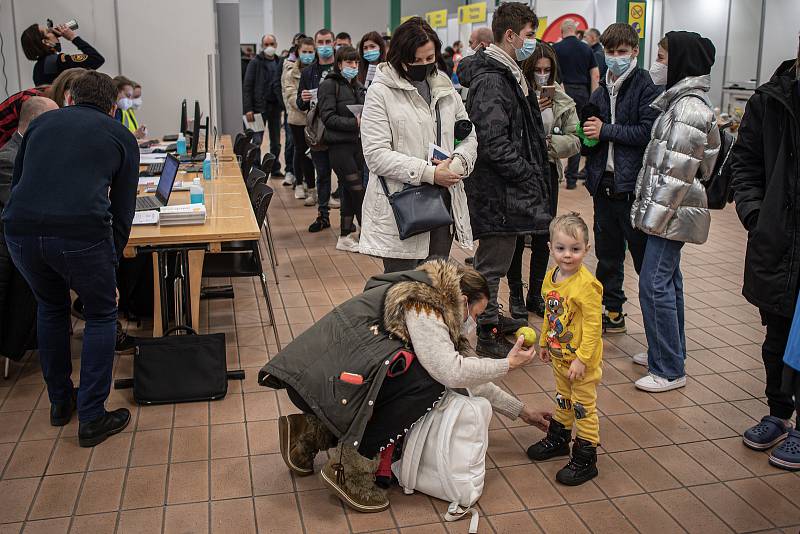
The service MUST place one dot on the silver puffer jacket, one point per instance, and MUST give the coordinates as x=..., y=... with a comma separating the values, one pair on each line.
x=670, y=196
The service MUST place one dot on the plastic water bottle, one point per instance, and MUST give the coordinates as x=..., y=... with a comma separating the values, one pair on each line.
x=207, y=166
x=196, y=194
x=181, y=144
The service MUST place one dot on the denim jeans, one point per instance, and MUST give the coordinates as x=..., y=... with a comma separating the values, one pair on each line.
x=322, y=164
x=52, y=266
x=613, y=233
x=661, y=299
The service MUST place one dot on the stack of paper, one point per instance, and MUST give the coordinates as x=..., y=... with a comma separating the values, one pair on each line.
x=182, y=214
x=149, y=217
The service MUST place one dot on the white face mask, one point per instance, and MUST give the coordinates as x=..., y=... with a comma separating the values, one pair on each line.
x=269, y=50
x=136, y=103
x=541, y=79
x=469, y=326
x=124, y=103
x=658, y=72
x=467, y=51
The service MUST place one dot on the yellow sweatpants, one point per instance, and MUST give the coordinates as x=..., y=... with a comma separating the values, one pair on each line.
x=578, y=397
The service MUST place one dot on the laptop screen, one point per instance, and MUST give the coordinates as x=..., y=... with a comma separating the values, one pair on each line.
x=164, y=189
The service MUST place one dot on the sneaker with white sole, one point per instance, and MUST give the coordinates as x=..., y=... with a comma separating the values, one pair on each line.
x=300, y=192
x=348, y=243
x=311, y=198
x=334, y=204
x=657, y=384
x=288, y=180
x=640, y=359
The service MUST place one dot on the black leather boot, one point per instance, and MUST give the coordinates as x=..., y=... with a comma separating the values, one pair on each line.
x=516, y=301
x=492, y=343
x=96, y=431
x=61, y=412
x=555, y=443
x=582, y=465
x=534, y=303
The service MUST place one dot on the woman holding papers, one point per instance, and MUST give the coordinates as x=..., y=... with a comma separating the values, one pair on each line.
x=341, y=96
x=407, y=103
x=372, y=51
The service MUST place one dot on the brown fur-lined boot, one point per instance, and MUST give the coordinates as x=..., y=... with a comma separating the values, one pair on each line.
x=302, y=436
x=351, y=477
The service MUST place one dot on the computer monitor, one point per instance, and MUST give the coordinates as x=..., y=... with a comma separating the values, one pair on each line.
x=184, y=118
x=196, y=128
x=167, y=179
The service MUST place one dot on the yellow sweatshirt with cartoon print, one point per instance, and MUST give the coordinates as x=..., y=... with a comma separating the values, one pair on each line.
x=573, y=313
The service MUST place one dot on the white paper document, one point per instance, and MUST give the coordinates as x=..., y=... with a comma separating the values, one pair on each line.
x=149, y=217
x=437, y=152
x=370, y=74
x=356, y=109
x=146, y=159
x=257, y=125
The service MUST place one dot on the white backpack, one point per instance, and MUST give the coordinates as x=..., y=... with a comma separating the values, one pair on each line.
x=444, y=454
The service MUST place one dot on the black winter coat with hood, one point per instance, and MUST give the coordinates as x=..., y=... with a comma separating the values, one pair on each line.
x=333, y=97
x=508, y=191
x=766, y=183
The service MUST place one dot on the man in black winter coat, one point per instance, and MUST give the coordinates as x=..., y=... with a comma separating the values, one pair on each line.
x=508, y=190
x=766, y=183
x=261, y=93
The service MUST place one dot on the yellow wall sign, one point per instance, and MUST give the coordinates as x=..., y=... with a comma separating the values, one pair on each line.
x=541, y=28
x=472, y=13
x=437, y=19
x=636, y=14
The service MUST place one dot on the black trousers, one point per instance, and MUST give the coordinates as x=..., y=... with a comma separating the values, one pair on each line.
x=303, y=166
x=272, y=120
x=347, y=161
x=613, y=233
x=401, y=401
x=779, y=399
x=540, y=254
x=493, y=260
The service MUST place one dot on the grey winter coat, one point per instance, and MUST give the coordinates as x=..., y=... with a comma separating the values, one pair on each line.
x=670, y=197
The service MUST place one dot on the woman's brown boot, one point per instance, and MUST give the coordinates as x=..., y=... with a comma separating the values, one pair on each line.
x=351, y=477
x=301, y=437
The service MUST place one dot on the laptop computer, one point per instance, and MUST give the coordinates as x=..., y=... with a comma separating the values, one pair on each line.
x=164, y=189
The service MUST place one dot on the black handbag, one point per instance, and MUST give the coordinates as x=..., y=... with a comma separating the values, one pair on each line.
x=419, y=208
x=173, y=369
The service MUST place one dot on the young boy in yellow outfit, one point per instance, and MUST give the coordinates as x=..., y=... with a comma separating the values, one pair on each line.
x=571, y=340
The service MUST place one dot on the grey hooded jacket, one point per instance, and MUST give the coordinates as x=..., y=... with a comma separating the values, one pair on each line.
x=670, y=196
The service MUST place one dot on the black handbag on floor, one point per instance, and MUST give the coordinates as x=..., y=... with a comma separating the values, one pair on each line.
x=174, y=369
x=421, y=208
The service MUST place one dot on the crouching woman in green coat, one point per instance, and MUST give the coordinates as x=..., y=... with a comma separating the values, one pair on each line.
x=367, y=371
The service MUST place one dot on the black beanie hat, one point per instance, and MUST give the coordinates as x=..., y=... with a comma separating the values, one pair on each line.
x=690, y=54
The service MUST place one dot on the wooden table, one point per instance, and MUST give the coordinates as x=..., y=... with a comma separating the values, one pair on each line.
x=229, y=218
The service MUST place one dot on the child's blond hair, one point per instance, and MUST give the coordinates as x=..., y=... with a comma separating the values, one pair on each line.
x=572, y=224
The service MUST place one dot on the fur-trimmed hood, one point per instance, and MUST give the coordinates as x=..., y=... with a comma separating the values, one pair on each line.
x=442, y=298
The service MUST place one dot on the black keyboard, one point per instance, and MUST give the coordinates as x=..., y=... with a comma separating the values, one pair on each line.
x=155, y=168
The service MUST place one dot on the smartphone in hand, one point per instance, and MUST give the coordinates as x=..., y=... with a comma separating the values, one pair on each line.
x=548, y=91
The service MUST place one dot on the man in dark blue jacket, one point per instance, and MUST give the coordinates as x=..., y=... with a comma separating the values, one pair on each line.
x=67, y=221
x=621, y=119
x=310, y=79
x=261, y=93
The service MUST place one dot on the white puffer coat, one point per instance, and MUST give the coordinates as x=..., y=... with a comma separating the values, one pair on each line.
x=397, y=126
x=670, y=197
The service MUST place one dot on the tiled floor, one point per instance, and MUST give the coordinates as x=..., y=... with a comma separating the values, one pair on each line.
x=670, y=463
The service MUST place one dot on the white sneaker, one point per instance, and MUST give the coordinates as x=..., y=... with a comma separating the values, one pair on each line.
x=288, y=180
x=656, y=384
x=347, y=243
x=311, y=198
x=640, y=359
x=334, y=204
x=300, y=192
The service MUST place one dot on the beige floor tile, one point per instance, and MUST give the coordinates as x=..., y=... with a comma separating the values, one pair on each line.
x=95, y=524
x=278, y=514
x=150, y=447
x=29, y=459
x=145, y=487
x=559, y=520
x=139, y=521
x=230, y=478
x=737, y=513
x=236, y=515
x=189, y=444
x=56, y=496
x=188, y=482
x=186, y=518
x=322, y=513
x=101, y=491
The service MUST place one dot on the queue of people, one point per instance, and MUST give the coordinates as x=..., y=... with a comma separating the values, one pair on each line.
x=651, y=142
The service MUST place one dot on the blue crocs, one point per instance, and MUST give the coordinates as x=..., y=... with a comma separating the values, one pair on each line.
x=765, y=434
x=787, y=454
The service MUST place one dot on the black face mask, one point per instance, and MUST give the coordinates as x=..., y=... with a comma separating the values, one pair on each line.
x=418, y=73
x=57, y=46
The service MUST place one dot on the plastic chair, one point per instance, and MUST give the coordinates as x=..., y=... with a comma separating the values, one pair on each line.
x=252, y=154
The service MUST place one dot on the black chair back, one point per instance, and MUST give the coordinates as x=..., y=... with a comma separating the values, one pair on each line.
x=240, y=144
x=256, y=176
x=249, y=133
x=252, y=154
x=261, y=197
x=268, y=162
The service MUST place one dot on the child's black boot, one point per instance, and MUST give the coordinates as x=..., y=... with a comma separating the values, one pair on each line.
x=555, y=443
x=582, y=465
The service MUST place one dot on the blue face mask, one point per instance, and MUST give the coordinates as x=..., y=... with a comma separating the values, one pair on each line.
x=349, y=72
x=618, y=65
x=325, y=51
x=306, y=58
x=372, y=55
x=528, y=46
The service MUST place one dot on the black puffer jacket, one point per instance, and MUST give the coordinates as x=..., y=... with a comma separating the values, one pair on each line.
x=630, y=132
x=508, y=191
x=261, y=88
x=334, y=95
x=766, y=182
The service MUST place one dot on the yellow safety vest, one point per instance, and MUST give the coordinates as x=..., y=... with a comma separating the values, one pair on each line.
x=129, y=120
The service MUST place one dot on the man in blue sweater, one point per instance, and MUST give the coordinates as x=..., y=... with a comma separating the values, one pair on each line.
x=73, y=196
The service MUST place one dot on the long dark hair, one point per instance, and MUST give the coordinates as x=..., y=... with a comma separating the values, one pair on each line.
x=542, y=50
x=300, y=43
x=32, y=45
x=409, y=36
x=363, y=64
